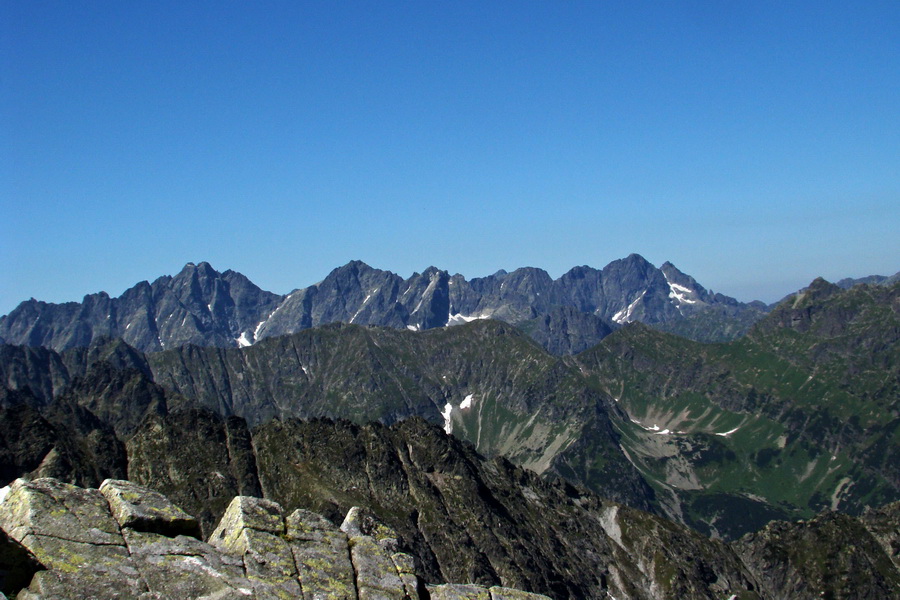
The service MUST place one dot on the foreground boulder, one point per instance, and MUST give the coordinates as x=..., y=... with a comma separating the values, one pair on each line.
x=126, y=541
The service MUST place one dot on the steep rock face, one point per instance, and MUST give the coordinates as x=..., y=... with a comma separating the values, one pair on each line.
x=833, y=555
x=66, y=441
x=127, y=541
x=199, y=305
x=464, y=518
x=204, y=307
x=199, y=460
x=566, y=330
x=486, y=382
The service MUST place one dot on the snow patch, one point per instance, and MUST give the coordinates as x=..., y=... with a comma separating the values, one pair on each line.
x=663, y=432
x=624, y=315
x=3, y=492
x=460, y=319
x=412, y=327
x=467, y=402
x=448, y=424
x=361, y=306
x=244, y=341
x=680, y=293
x=431, y=286
x=727, y=433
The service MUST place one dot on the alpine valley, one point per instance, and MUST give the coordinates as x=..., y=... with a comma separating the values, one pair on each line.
x=613, y=433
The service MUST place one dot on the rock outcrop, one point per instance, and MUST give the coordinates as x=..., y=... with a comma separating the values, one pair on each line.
x=127, y=541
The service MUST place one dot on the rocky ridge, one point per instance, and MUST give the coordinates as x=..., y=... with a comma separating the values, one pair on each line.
x=201, y=306
x=127, y=541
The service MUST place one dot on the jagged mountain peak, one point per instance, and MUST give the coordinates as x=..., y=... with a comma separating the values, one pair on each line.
x=202, y=306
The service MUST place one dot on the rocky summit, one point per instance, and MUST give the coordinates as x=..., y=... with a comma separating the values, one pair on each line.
x=204, y=307
x=127, y=541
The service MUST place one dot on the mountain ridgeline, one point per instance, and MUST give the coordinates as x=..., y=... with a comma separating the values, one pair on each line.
x=569, y=474
x=204, y=307
x=798, y=416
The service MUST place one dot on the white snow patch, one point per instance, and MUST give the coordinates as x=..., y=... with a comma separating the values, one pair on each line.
x=663, y=432
x=412, y=327
x=209, y=306
x=727, y=433
x=653, y=427
x=467, y=402
x=3, y=492
x=361, y=306
x=305, y=370
x=244, y=341
x=679, y=293
x=448, y=424
x=624, y=315
x=459, y=319
x=127, y=327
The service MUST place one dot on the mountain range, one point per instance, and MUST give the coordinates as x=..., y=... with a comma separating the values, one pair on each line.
x=668, y=435
x=203, y=307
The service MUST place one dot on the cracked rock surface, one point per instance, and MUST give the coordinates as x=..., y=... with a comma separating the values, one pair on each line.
x=126, y=541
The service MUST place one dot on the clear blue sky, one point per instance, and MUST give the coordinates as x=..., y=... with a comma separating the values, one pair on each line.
x=754, y=144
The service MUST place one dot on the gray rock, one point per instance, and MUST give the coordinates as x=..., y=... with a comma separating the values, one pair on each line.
x=504, y=593
x=254, y=553
x=184, y=567
x=376, y=575
x=322, y=556
x=459, y=591
x=51, y=508
x=143, y=509
x=362, y=521
x=246, y=512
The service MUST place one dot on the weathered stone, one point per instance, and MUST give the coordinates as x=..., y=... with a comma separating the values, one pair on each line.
x=406, y=567
x=361, y=521
x=322, y=557
x=268, y=560
x=504, y=593
x=411, y=585
x=184, y=567
x=376, y=575
x=81, y=585
x=246, y=512
x=405, y=563
x=47, y=507
x=142, y=509
x=255, y=554
x=459, y=591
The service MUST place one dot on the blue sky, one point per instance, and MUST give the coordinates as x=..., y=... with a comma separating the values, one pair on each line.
x=756, y=145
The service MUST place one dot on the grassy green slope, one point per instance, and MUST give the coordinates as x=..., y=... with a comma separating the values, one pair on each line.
x=798, y=416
